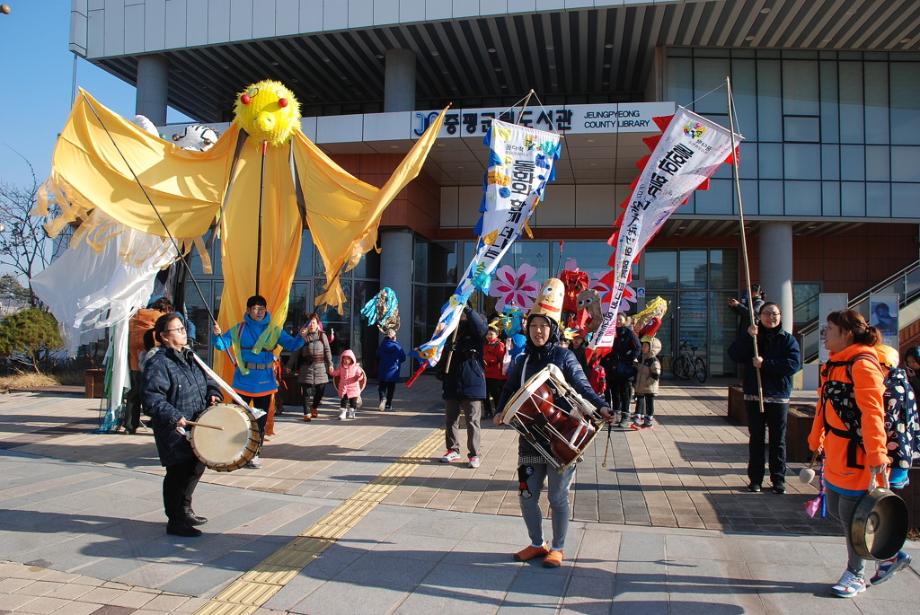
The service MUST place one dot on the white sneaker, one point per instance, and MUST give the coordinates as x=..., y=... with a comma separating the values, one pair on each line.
x=849, y=585
x=342, y=414
x=474, y=462
x=382, y=405
x=450, y=455
x=351, y=414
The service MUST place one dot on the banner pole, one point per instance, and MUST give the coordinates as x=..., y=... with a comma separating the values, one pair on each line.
x=747, y=265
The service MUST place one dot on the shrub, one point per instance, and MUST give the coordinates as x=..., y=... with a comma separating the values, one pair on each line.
x=32, y=333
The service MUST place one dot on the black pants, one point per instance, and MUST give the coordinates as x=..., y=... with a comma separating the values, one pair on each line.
x=178, y=485
x=620, y=392
x=645, y=404
x=262, y=403
x=351, y=402
x=132, y=419
x=386, y=389
x=494, y=388
x=312, y=395
x=773, y=421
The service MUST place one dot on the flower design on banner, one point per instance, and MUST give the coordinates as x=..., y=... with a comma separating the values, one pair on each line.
x=514, y=287
x=605, y=291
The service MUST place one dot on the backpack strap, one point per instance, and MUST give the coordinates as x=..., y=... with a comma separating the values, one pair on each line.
x=851, y=432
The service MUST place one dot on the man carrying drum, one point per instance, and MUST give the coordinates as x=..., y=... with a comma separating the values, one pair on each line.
x=176, y=391
x=252, y=344
x=543, y=335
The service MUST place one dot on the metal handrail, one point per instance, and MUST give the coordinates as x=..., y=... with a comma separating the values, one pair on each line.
x=865, y=295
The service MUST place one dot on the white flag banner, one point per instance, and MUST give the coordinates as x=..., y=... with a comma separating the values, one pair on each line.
x=689, y=152
x=521, y=162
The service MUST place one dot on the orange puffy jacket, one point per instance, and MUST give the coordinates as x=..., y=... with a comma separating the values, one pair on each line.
x=868, y=389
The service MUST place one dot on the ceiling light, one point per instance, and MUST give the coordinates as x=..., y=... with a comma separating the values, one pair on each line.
x=905, y=41
x=460, y=167
x=606, y=66
x=764, y=11
x=379, y=56
x=749, y=38
x=394, y=147
x=326, y=60
x=491, y=50
x=608, y=46
x=274, y=64
x=590, y=140
x=434, y=53
x=549, y=47
x=498, y=69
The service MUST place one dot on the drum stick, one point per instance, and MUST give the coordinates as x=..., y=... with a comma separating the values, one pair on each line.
x=196, y=424
x=607, y=447
x=256, y=413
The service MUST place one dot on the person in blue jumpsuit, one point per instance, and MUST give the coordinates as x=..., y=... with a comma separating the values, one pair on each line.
x=251, y=344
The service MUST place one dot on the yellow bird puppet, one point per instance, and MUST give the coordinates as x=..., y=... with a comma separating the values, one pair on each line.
x=262, y=182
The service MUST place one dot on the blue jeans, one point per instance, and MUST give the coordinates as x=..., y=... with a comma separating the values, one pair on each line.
x=559, y=485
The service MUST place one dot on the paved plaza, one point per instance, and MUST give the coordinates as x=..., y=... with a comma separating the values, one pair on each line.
x=359, y=517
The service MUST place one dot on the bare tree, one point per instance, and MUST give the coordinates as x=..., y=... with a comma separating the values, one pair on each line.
x=25, y=245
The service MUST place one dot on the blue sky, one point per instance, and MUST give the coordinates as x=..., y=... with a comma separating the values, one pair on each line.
x=37, y=75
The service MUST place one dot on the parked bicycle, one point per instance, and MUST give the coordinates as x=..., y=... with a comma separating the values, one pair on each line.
x=688, y=365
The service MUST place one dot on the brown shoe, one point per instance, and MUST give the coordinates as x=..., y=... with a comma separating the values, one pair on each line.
x=313, y=412
x=530, y=552
x=306, y=418
x=554, y=559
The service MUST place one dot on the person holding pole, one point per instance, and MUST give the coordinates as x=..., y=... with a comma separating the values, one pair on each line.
x=251, y=344
x=777, y=357
x=464, y=385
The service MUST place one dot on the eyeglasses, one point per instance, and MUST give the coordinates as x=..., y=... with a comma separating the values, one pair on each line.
x=179, y=330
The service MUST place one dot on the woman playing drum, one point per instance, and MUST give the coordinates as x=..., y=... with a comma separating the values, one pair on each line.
x=543, y=349
x=175, y=391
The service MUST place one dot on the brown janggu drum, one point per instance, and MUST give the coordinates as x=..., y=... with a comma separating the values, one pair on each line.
x=557, y=421
x=225, y=437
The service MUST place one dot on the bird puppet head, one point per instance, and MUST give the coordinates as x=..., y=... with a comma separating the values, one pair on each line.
x=268, y=111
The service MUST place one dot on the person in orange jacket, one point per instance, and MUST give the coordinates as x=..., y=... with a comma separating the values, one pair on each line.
x=849, y=426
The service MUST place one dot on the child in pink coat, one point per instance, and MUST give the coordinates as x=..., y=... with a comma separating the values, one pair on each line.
x=350, y=380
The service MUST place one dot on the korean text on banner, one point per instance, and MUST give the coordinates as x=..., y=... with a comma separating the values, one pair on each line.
x=521, y=162
x=689, y=152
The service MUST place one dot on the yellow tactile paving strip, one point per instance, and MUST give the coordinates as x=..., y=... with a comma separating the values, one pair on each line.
x=268, y=577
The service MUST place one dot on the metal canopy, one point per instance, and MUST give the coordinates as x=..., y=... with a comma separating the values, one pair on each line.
x=574, y=56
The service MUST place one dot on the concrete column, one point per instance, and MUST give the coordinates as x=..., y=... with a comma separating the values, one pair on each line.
x=399, y=81
x=152, y=87
x=396, y=250
x=776, y=267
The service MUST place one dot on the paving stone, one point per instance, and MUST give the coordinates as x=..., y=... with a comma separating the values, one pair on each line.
x=42, y=605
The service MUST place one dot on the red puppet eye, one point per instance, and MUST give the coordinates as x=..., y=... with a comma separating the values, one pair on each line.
x=282, y=102
x=245, y=99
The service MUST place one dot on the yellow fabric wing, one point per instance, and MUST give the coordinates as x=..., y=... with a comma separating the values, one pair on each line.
x=186, y=186
x=343, y=212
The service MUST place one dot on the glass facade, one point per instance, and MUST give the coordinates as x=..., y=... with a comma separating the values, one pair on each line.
x=697, y=284
x=827, y=133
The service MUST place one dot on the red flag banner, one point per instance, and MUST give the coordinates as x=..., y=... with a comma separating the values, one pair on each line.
x=686, y=154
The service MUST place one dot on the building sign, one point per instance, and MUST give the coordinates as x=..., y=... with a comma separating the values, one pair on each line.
x=574, y=119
